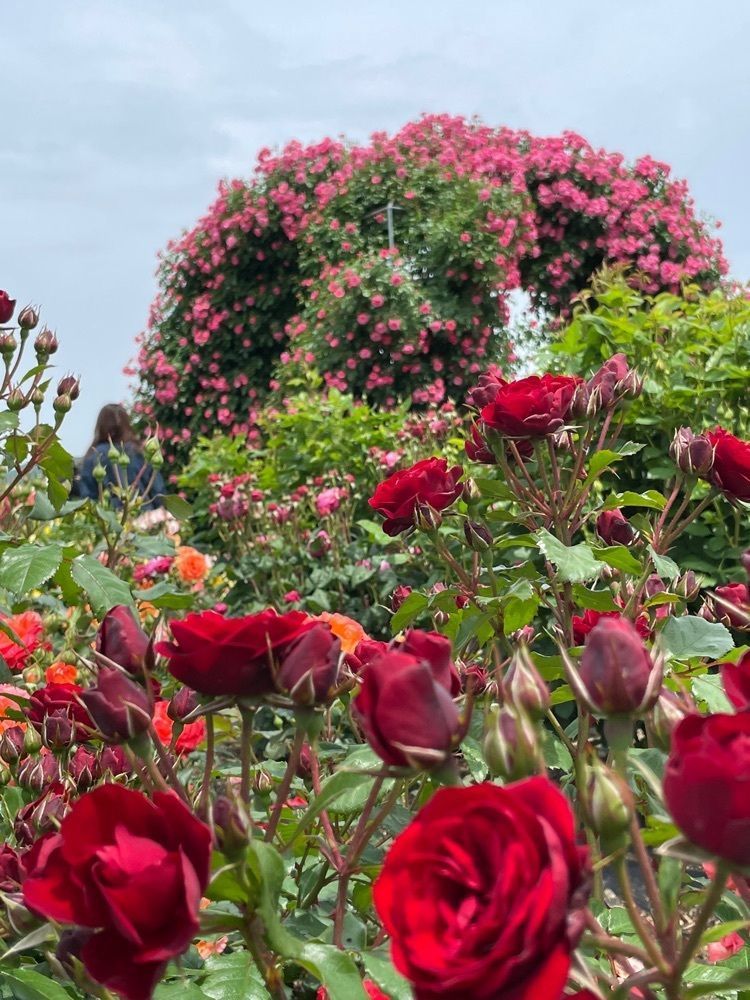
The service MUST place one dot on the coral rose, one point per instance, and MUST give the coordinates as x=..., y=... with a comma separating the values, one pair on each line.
x=191, y=565
x=192, y=735
x=29, y=629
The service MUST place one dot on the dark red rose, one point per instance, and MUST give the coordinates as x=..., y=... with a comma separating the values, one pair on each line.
x=310, y=666
x=217, y=655
x=692, y=453
x=484, y=893
x=605, y=384
x=132, y=869
x=120, y=708
x=488, y=385
x=56, y=712
x=616, y=669
x=531, y=407
x=731, y=468
x=406, y=710
x=477, y=449
x=736, y=680
x=428, y=482
x=583, y=624
x=399, y=595
x=183, y=702
x=614, y=528
x=121, y=639
x=731, y=605
x=7, y=305
x=437, y=650
x=82, y=768
x=364, y=651
x=10, y=869
x=112, y=762
x=706, y=783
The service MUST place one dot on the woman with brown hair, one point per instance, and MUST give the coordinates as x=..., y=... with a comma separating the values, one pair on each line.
x=113, y=428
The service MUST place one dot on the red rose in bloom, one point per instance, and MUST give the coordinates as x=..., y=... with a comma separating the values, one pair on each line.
x=7, y=305
x=217, y=655
x=483, y=895
x=531, y=407
x=706, y=783
x=56, y=712
x=428, y=482
x=130, y=868
x=582, y=624
x=29, y=629
x=406, y=710
x=731, y=468
x=192, y=735
x=733, y=604
x=736, y=680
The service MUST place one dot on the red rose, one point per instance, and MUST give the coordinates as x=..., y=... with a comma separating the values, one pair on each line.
x=616, y=669
x=531, y=407
x=10, y=869
x=731, y=468
x=706, y=783
x=132, y=869
x=736, y=680
x=437, y=650
x=7, y=305
x=484, y=893
x=487, y=387
x=121, y=639
x=428, y=482
x=406, y=710
x=310, y=666
x=217, y=655
x=364, y=651
x=56, y=712
x=192, y=735
x=583, y=624
x=732, y=605
x=120, y=708
x=614, y=528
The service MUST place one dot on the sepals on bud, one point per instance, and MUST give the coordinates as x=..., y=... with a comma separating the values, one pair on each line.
x=511, y=743
x=15, y=400
x=182, y=703
x=692, y=453
x=231, y=827
x=8, y=345
x=478, y=536
x=523, y=685
x=426, y=518
x=614, y=528
x=70, y=386
x=665, y=715
x=28, y=318
x=610, y=802
x=122, y=640
x=120, y=708
x=45, y=344
x=12, y=744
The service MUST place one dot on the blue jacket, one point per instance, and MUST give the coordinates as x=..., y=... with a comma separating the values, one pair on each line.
x=138, y=471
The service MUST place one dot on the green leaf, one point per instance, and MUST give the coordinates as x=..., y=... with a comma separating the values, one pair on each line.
x=709, y=689
x=600, y=461
x=178, y=507
x=380, y=969
x=8, y=421
x=233, y=977
x=597, y=600
x=666, y=568
x=707, y=978
x=718, y=931
x=26, y=984
x=103, y=589
x=649, y=498
x=336, y=786
x=163, y=595
x=57, y=462
x=691, y=636
x=518, y=612
x=412, y=606
x=619, y=557
x=180, y=989
x=574, y=563
x=27, y=567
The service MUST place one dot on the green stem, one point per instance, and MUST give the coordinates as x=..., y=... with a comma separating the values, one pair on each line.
x=246, y=752
x=286, y=782
x=208, y=767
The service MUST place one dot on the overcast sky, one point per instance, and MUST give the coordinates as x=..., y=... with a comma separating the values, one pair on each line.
x=117, y=118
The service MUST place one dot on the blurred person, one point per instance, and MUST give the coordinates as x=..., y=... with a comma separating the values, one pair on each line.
x=113, y=429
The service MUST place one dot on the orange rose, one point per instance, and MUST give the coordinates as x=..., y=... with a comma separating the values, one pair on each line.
x=191, y=565
x=61, y=673
x=29, y=628
x=10, y=704
x=348, y=631
x=192, y=734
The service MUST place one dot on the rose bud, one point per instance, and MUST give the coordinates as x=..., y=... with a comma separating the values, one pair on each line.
x=28, y=318
x=523, y=686
x=35, y=773
x=511, y=744
x=120, y=708
x=8, y=345
x=399, y=595
x=426, y=518
x=41, y=816
x=32, y=741
x=616, y=675
x=605, y=383
x=692, y=453
x=232, y=827
x=10, y=869
x=665, y=715
x=61, y=404
x=477, y=450
x=320, y=544
x=581, y=403
x=310, y=667
x=69, y=386
x=45, y=343
x=470, y=492
x=59, y=717
x=82, y=768
x=122, y=640
x=731, y=605
x=488, y=385
x=7, y=305
x=478, y=536
x=610, y=802
x=687, y=586
x=12, y=744
x=406, y=711
x=182, y=704
x=112, y=762
x=437, y=650
x=16, y=400
x=614, y=528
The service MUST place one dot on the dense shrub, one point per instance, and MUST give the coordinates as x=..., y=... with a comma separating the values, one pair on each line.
x=296, y=266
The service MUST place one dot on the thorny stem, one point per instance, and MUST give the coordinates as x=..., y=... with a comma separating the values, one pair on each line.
x=286, y=783
x=246, y=753
x=207, y=767
x=694, y=939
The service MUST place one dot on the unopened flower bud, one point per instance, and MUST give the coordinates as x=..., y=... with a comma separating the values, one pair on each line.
x=182, y=703
x=11, y=744
x=82, y=768
x=605, y=383
x=580, y=401
x=614, y=528
x=629, y=387
x=16, y=400
x=688, y=586
x=45, y=343
x=8, y=345
x=262, y=782
x=28, y=318
x=478, y=536
x=470, y=492
x=32, y=741
x=440, y=618
x=62, y=404
x=665, y=715
x=99, y=472
x=523, y=685
x=610, y=801
x=35, y=773
x=511, y=746
x=426, y=518
x=151, y=448
x=69, y=386
x=37, y=398
x=692, y=453
x=399, y=595
x=232, y=827
x=120, y=708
